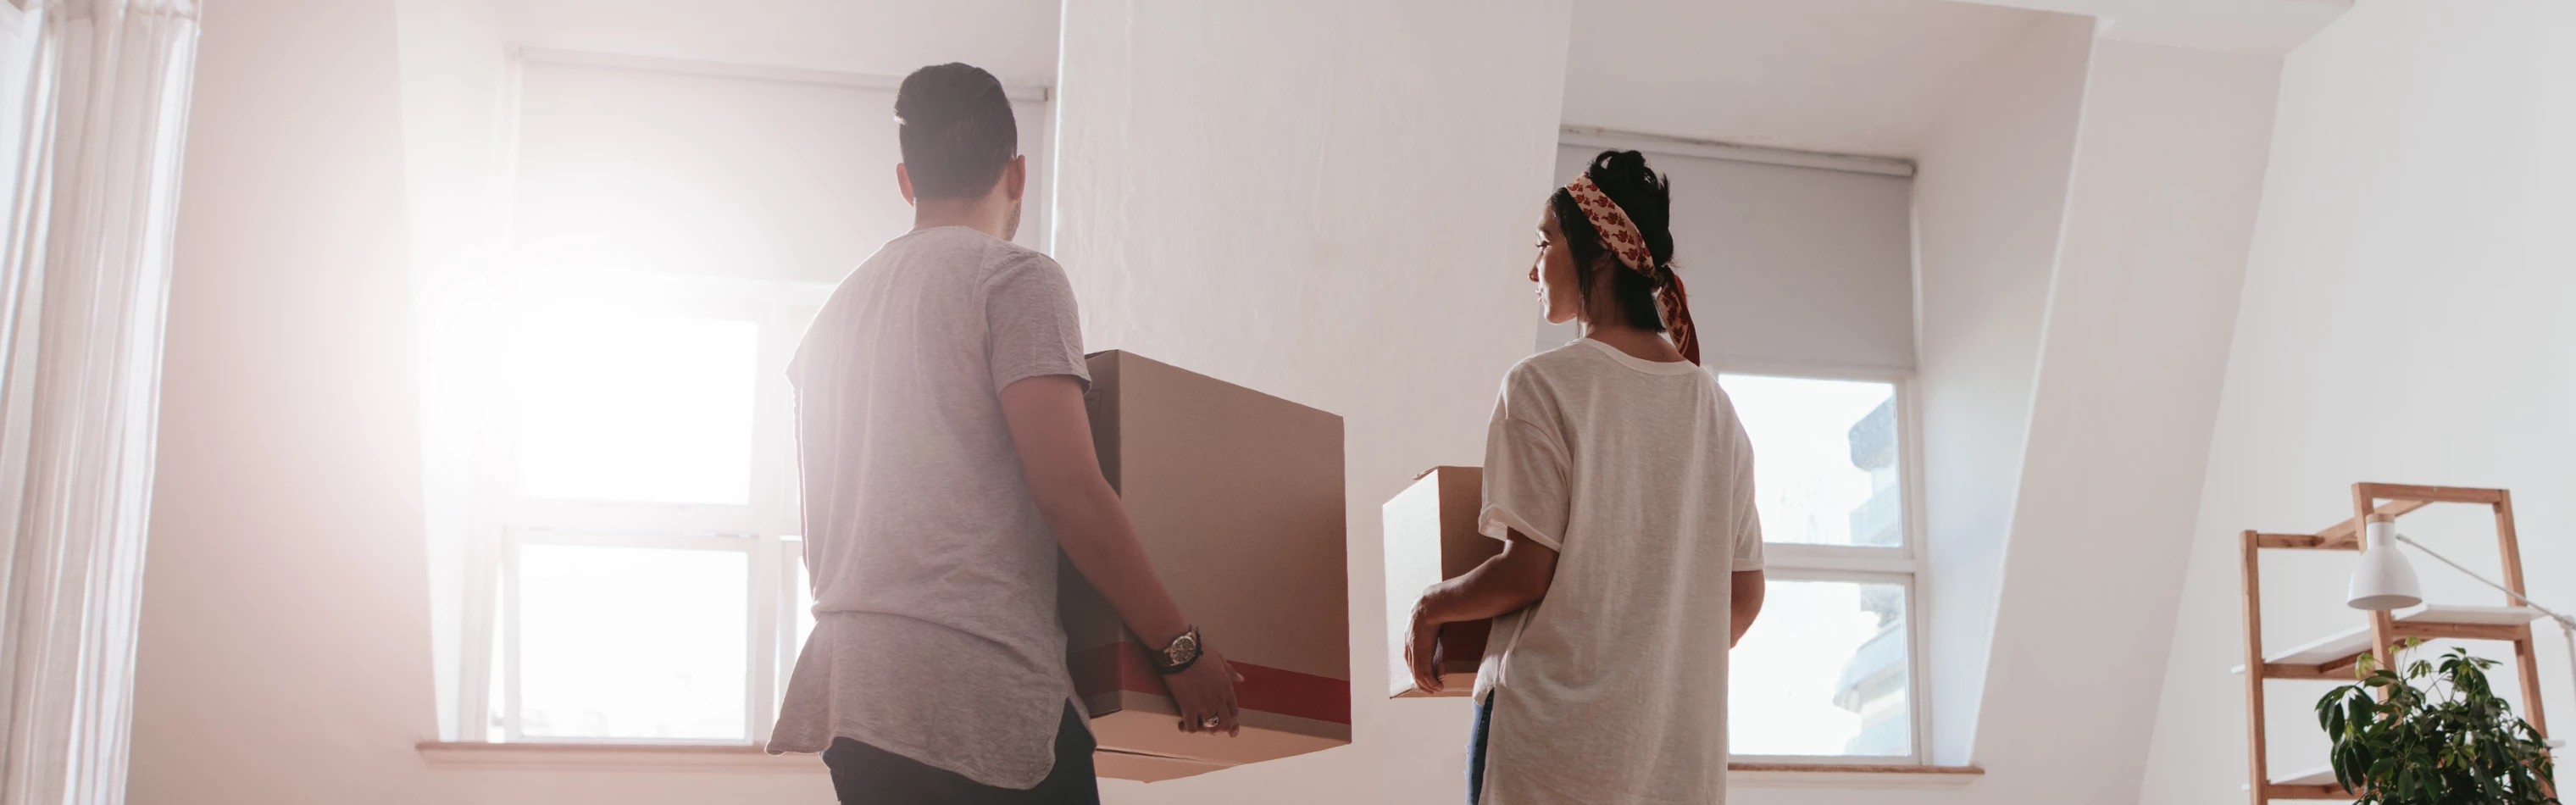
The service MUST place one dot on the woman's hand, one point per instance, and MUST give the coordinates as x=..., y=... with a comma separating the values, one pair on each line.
x=1422, y=652
x=1205, y=690
x=1514, y=579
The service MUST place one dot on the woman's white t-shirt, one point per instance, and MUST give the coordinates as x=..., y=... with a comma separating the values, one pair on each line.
x=1612, y=689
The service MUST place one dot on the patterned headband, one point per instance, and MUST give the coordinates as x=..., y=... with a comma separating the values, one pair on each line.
x=1618, y=233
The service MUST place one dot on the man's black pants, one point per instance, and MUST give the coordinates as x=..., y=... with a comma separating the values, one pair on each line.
x=866, y=775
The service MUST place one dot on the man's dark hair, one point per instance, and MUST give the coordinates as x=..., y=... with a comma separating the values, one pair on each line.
x=956, y=128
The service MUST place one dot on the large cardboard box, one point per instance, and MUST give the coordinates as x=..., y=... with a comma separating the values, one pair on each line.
x=1430, y=537
x=1238, y=498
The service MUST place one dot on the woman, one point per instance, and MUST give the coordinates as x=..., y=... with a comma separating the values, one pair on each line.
x=1622, y=486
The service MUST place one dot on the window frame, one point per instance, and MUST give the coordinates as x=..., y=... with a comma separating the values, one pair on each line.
x=502, y=520
x=756, y=552
x=1902, y=563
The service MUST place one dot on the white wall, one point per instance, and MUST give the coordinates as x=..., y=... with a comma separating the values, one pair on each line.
x=1332, y=203
x=659, y=172
x=2413, y=238
x=1989, y=198
x=1015, y=39
x=1836, y=76
x=283, y=658
x=2252, y=27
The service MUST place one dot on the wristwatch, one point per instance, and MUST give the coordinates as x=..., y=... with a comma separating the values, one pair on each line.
x=1178, y=655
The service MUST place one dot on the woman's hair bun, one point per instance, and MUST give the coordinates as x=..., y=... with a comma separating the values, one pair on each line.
x=1641, y=192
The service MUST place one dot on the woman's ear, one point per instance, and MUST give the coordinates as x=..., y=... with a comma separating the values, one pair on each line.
x=1605, y=274
x=1601, y=290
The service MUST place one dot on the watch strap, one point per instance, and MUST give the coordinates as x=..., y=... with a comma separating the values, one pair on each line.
x=1163, y=662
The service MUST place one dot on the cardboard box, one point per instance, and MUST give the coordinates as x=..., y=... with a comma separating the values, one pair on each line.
x=1431, y=537
x=1118, y=765
x=1238, y=498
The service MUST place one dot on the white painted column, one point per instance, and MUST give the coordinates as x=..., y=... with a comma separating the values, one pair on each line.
x=87, y=278
x=1989, y=210
x=1334, y=203
x=2160, y=215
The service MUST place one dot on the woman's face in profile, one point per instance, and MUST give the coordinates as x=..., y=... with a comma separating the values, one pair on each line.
x=1553, y=271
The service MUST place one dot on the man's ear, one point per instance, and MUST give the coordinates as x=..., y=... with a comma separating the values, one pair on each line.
x=1015, y=177
x=903, y=182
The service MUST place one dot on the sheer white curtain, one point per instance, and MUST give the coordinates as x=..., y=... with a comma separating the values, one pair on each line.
x=82, y=291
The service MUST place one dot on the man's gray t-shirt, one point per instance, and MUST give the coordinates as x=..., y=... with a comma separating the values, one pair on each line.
x=935, y=631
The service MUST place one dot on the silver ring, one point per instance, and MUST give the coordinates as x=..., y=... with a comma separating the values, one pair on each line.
x=1210, y=722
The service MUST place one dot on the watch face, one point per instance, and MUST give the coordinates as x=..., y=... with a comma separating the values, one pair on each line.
x=1182, y=649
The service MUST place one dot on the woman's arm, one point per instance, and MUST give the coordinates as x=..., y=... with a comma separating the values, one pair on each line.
x=1516, y=578
x=1745, y=601
x=1052, y=432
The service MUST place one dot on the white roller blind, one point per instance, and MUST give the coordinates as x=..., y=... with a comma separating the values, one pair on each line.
x=1787, y=267
x=671, y=172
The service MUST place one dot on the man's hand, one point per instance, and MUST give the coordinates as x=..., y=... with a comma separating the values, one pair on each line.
x=1053, y=434
x=1206, y=689
x=1422, y=652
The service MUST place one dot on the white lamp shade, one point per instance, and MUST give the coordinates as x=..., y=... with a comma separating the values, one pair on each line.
x=2384, y=580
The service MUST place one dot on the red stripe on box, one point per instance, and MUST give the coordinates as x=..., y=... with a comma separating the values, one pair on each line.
x=1123, y=666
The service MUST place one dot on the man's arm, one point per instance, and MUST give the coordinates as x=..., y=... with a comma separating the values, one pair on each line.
x=1516, y=578
x=1745, y=602
x=1052, y=431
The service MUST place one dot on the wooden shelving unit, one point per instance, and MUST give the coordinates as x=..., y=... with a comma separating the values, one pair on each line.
x=2333, y=657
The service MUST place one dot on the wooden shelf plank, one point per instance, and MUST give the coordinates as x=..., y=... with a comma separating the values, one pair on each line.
x=2321, y=775
x=2321, y=658
x=2308, y=541
x=2346, y=535
x=2276, y=671
x=2411, y=493
x=2319, y=783
x=2316, y=783
x=2310, y=792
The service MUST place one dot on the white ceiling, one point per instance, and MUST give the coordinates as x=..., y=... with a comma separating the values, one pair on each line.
x=2258, y=27
x=1838, y=76
x=1015, y=39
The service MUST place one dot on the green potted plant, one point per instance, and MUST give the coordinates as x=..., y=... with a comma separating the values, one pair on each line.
x=2434, y=735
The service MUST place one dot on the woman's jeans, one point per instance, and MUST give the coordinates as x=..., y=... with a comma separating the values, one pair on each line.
x=1476, y=749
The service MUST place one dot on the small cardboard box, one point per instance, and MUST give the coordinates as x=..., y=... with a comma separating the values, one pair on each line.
x=1431, y=537
x=1238, y=498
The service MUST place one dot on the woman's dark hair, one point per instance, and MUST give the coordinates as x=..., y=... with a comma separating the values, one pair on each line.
x=1648, y=200
x=956, y=129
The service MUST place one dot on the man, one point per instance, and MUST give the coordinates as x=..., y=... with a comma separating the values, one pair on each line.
x=947, y=457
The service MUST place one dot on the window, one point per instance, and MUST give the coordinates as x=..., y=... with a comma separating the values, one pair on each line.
x=609, y=455
x=612, y=638
x=1830, y=669
x=637, y=490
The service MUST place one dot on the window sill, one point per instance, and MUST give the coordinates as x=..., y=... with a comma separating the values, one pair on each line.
x=702, y=757
x=1849, y=775
x=613, y=756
